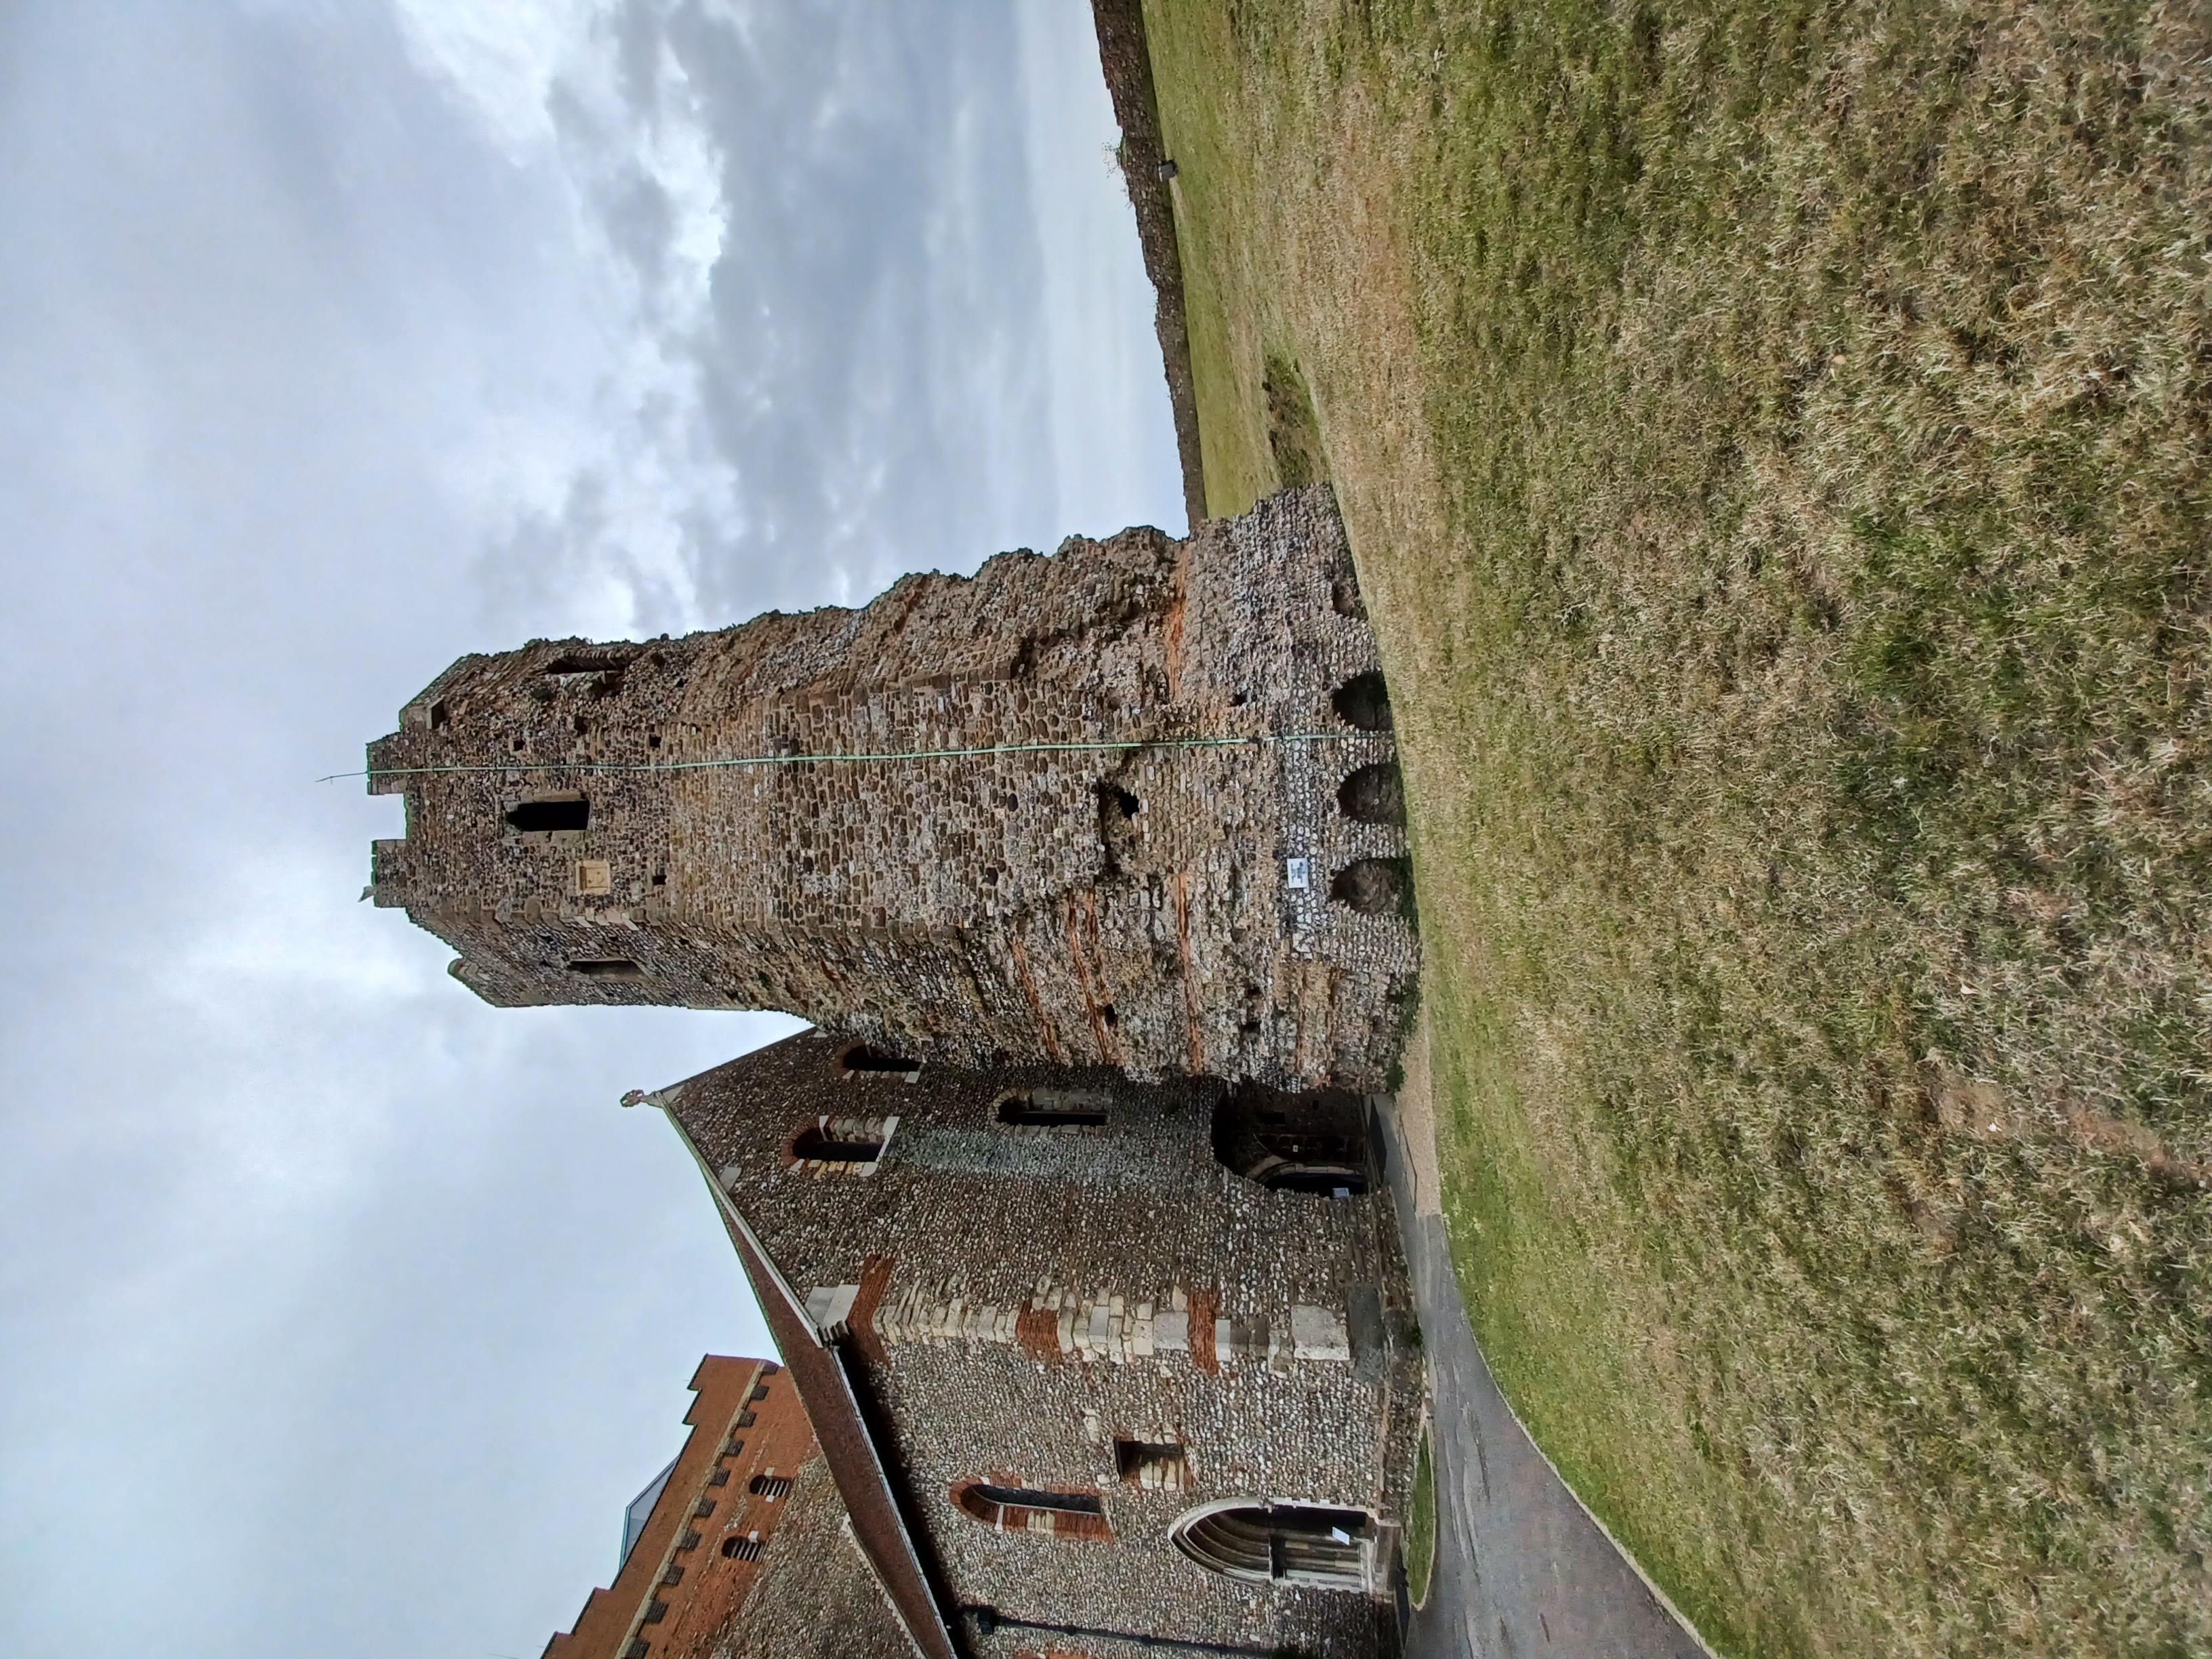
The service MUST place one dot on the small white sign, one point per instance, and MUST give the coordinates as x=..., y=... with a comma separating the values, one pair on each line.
x=1296, y=876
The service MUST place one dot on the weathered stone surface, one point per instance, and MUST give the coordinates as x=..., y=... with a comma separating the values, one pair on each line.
x=574, y=831
x=1058, y=1308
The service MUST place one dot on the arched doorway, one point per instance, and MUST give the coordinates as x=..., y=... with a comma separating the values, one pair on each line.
x=1313, y=1142
x=1275, y=1543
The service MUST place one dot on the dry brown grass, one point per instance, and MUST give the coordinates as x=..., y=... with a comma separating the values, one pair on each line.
x=1774, y=443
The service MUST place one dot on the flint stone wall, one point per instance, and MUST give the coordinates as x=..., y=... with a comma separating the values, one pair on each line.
x=1133, y=908
x=1026, y=1296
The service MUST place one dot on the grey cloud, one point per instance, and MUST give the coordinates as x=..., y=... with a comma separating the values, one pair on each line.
x=341, y=1312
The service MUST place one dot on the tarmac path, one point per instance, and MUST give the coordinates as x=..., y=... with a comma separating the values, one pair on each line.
x=1522, y=1570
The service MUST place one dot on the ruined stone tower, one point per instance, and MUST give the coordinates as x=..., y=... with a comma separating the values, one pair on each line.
x=694, y=822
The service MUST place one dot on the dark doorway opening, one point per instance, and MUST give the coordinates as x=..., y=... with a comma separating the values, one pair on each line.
x=1374, y=795
x=1315, y=1142
x=1294, y=1543
x=1375, y=887
x=1362, y=701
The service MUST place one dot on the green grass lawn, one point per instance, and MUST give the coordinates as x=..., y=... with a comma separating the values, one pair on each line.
x=1774, y=440
x=1421, y=1527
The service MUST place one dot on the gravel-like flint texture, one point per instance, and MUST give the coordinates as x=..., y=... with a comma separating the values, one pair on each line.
x=1026, y=1297
x=1131, y=907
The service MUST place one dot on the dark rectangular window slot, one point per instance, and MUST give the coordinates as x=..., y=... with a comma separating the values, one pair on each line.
x=719, y=1477
x=770, y=1485
x=689, y=1541
x=746, y=1419
x=1020, y=1112
x=735, y=1446
x=532, y=817
x=437, y=716
x=637, y=1650
x=1152, y=1464
x=760, y=1391
x=674, y=1575
x=607, y=968
x=742, y=1549
x=705, y=1508
x=1029, y=1498
x=656, y=1610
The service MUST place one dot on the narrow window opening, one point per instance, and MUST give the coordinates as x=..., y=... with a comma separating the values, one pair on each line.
x=1154, y=1465
x=1344, y=596
x=1055, y=1109
x=653, y=741
x=1374, y=795
x=770, y=1485
x=517, y=745
x=1362, y=702
x=719, y=1477
x=583, y=726
x=438, y=716
x=674, y=1575
x=1117, y=825
x=760, y=1391
x=531, y=818
x=1033, y=1510
x=742, y=1549
x=839, y=1140
x=860, y=1057
x=606, y=968
x=655, y=1611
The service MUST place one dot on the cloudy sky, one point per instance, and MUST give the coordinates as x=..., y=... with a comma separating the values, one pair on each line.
x=338, y=1313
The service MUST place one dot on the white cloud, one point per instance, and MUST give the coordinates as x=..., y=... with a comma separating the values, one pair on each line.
x=624, y=465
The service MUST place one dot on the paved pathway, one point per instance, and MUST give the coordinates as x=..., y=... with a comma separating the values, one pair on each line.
x=1522, y=1572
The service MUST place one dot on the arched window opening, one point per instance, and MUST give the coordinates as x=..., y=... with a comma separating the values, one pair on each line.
x=1374, y=795
x=770, y=1485
x=1316, y=1142
x=862, y=1057
x=1152, y=1465
x=1033, y=1510
x=1344, y=596
x=1054, y=1109
x=550, y=815
x=1282, y=1543
x=742, y=1549
x=841, y=1140
x=1375, y=887
x=1362, y=702
x=606, y=968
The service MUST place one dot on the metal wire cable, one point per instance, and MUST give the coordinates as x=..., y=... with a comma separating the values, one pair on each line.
x=1066, y=747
